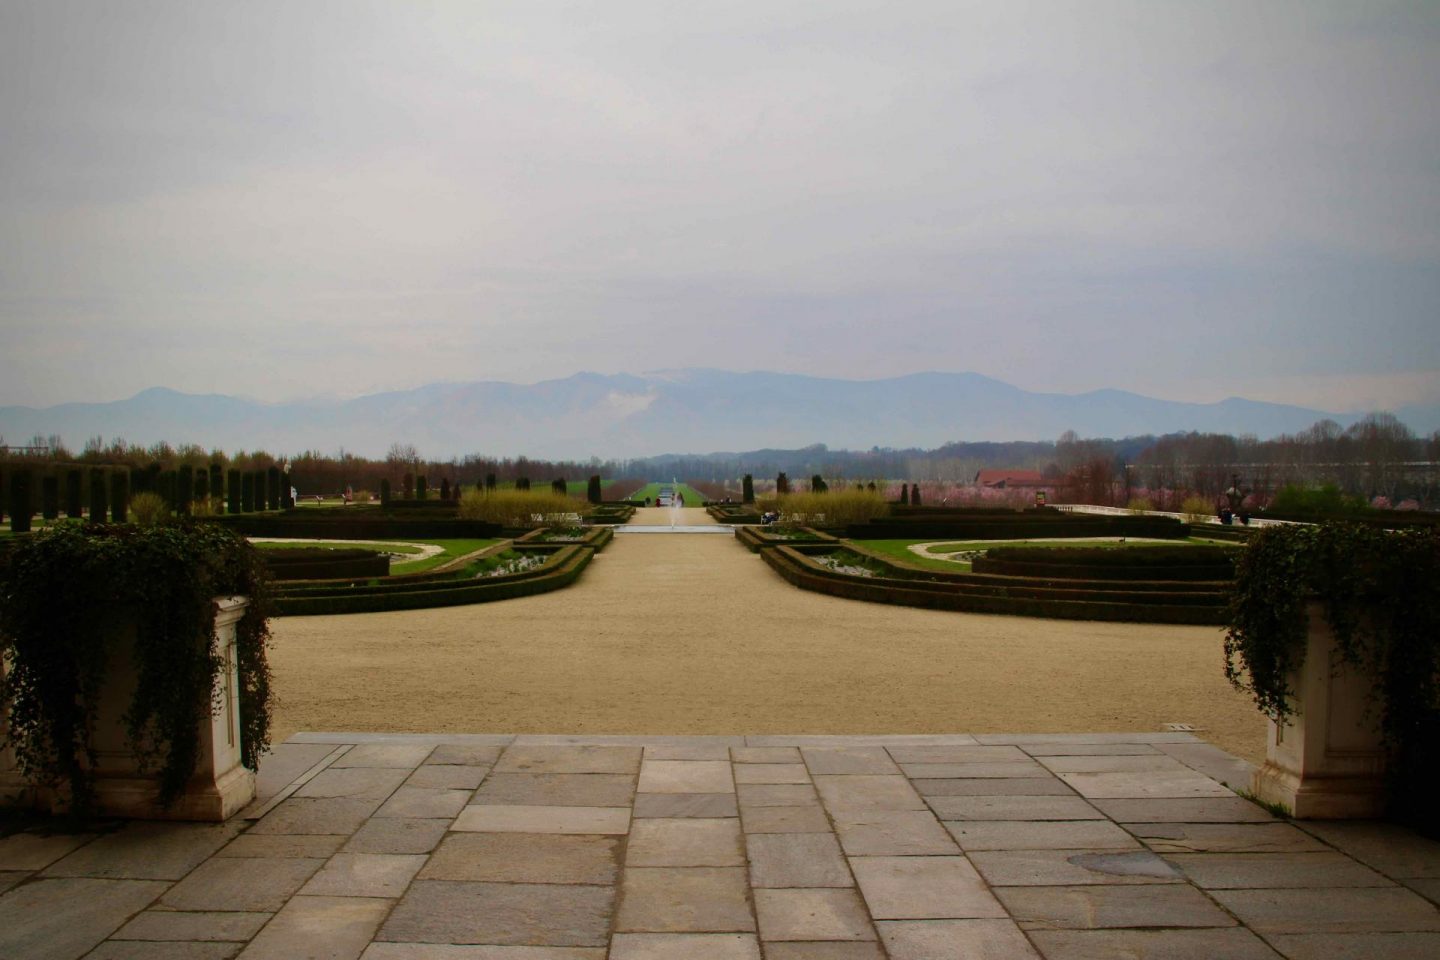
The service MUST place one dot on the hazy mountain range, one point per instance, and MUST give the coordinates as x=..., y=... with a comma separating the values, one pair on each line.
x=683, y=411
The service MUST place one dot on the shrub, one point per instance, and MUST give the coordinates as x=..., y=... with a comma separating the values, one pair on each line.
x=905, y=494
x=1139, y=505
x=782, y=485
x=747, y=489
x=21, y=510
x=831, y=509
x=150, y=509
x=1197, y=509
x=407, y=486
x=233, y=486
x=50, y=497
x=99, y=496
x=520, y=508
x=74, y=500
x=385, y=493
x=120, y=497
x=1326, y=500
x=559, y=486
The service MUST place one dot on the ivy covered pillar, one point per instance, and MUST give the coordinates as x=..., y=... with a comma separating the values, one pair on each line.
x=221, y=785
x=1327, y=759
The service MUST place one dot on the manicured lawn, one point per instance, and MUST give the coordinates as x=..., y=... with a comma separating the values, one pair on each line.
x=693, y=497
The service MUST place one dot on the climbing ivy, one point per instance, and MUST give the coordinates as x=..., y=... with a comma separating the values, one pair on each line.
x=69, y=593
x=1380, y=593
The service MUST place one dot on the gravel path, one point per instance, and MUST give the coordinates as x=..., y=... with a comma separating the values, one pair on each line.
x=692, y=634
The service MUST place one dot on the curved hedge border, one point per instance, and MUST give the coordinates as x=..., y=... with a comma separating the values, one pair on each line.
x=561, y=570
x=596, y=537
x=610, y=513
x=1073, y=600
x=756, y=539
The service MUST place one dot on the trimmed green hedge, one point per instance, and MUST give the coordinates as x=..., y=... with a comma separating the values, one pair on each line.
x=1195, y=563
x=318, y=563
x=1018, y=527
x=804, y=572
x=560, y=571
x=757, y=538
x=733, y=513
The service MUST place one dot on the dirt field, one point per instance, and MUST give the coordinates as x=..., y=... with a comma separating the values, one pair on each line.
x=692, y=634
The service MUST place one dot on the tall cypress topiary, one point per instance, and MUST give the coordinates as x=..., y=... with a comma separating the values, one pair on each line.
x=905, y=494
x=747, y=489
x=444, y=488
x=558, y=485
x=120, y=497
x=232, y=491
x=99, y=495
x=202, y=485
x=247, y=492
x=384, y=492
x=50, y=497
x=287, y=492
x=592, y=489
x=818, y=485
x=21, y=509
x=522, y=483
x=422, y=487
x=74, y=497
x=217, y=482
x=184, y=488
x=782, y=484
x=914, y=494
x=272, y=488
x=407, y=486
x=262, y=495
x=490, y=482
x=165, y=486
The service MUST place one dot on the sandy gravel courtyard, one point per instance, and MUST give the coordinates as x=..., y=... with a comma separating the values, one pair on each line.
x=692, y=634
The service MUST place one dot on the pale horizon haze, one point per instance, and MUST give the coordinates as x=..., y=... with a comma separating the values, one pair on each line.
x=1190, y=201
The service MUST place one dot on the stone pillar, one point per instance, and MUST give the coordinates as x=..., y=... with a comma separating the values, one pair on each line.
x=1327, y=760
x=221, y=786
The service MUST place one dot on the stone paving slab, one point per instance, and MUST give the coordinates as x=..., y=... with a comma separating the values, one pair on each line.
x=916, y=847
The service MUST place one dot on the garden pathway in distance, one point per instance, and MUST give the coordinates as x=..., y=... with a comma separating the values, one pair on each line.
x=691, y=634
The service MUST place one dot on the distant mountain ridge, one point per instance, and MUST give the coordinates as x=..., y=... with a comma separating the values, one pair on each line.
x=681, y=411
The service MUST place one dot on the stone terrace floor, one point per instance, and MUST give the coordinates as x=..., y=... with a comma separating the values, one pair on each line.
x=400, y=847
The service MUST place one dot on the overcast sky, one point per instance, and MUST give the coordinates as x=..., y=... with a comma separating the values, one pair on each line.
x=1189, y=200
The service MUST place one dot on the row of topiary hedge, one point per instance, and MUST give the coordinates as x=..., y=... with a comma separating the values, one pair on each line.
x=357, y=524
x=1075, y=600
x=1017, y=527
